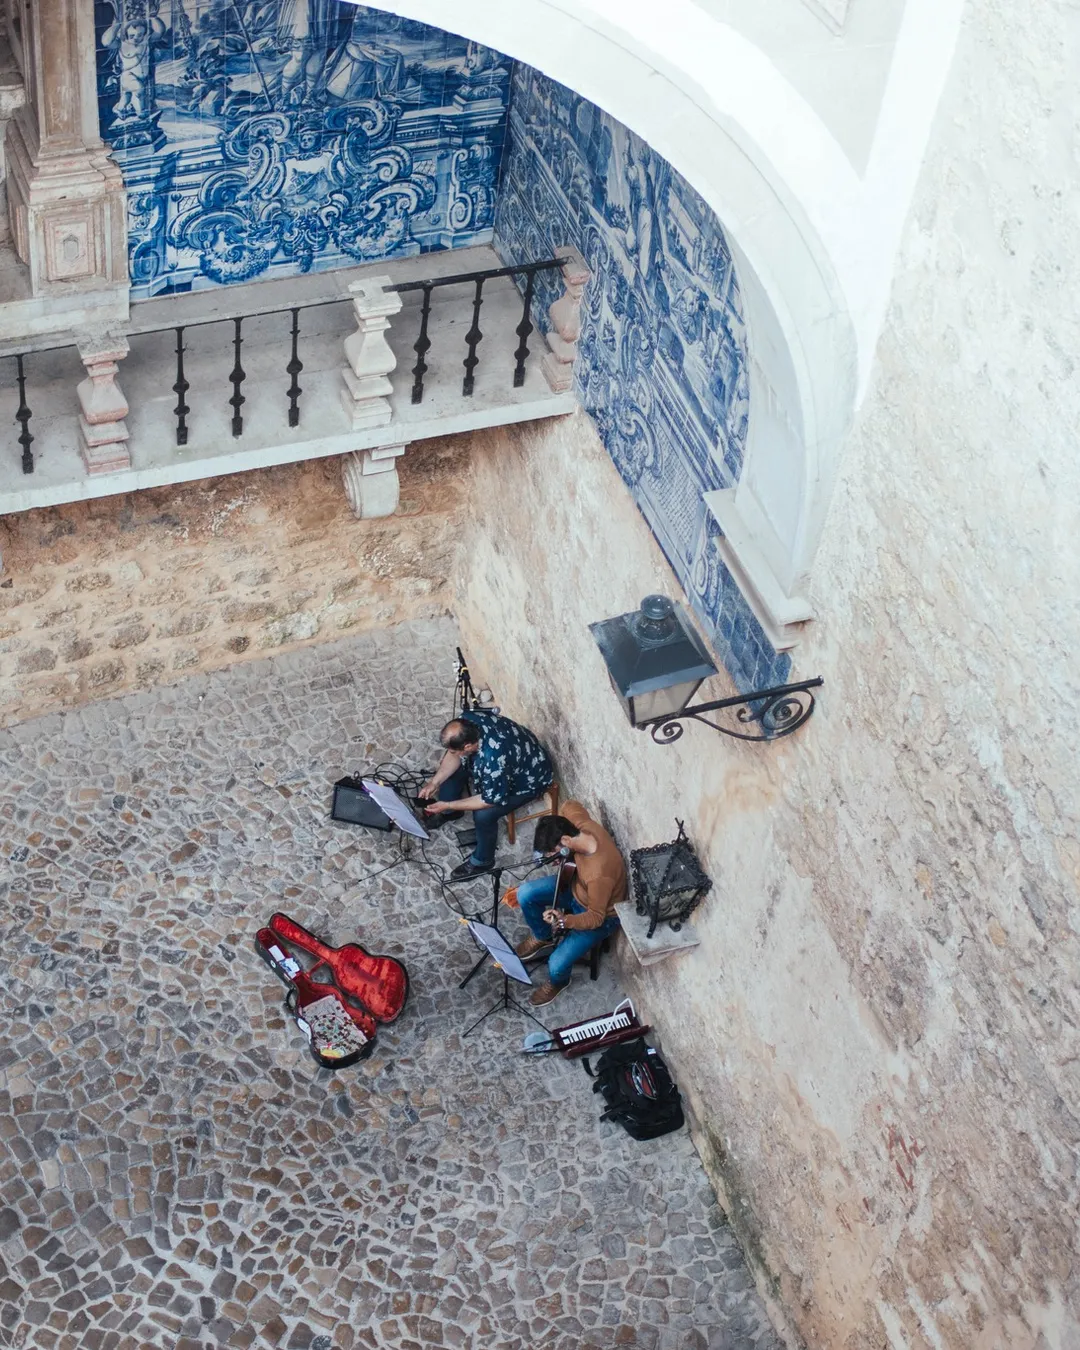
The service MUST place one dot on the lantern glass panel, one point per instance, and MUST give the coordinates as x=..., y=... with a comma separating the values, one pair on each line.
x=659, y=703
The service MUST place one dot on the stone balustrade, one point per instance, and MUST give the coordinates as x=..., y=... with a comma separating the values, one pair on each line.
x=373, y=368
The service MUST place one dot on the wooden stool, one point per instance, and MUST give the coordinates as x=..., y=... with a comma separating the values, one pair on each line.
x=550, y=808
x=593, y=957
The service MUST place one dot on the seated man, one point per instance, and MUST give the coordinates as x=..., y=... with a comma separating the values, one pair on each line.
x=504, y=765
x=584, y=912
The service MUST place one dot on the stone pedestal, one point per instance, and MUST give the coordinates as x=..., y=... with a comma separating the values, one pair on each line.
x=66, y=200
x=565, y=314
x=368, y=357
x=371, y=481
x=103, y=431
x=664, y=942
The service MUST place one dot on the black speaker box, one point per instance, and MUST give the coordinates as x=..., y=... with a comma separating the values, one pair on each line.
x=352, y=806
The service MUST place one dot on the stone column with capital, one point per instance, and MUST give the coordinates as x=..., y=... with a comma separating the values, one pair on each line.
x=565, y=315
x=66, y=198
x=102, y=429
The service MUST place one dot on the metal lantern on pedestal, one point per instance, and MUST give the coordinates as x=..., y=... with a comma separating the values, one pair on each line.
x=668, y=881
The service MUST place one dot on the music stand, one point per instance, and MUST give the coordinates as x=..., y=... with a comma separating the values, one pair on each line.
x=506, y=960
x=493, y=923
x=396, y=809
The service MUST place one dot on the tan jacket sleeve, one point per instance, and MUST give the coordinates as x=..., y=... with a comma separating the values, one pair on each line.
x=593, y=917
x=600, y=892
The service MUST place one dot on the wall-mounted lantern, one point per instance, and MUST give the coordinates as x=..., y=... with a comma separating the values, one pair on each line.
x=656, y=662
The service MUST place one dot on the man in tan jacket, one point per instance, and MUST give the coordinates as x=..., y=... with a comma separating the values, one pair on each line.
x=577, y=915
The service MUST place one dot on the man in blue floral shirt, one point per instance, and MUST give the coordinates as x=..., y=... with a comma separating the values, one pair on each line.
x=490, y=766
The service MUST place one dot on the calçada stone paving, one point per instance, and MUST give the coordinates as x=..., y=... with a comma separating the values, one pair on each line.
x=176, y=1172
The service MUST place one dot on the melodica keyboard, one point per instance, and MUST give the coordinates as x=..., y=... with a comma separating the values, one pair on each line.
x=597, y=1033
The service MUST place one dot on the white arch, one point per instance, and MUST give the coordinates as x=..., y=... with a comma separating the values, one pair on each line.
x=813, y=242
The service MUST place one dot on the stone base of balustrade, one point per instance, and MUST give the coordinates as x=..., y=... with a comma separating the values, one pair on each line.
x=365, y=400
x=558, y=373
x=104, y=446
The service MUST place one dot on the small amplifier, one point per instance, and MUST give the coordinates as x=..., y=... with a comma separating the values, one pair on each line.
x=353, y=806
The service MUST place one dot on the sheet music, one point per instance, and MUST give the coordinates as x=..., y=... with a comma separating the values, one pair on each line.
x=500, y=950
x=394, y=807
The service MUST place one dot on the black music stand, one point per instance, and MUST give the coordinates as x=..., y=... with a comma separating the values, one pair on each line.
x=500, y=951
x=495, y=945
x=493, y=922
x=496, y=874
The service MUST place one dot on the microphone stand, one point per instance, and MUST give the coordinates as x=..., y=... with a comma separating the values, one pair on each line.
x=496, y=874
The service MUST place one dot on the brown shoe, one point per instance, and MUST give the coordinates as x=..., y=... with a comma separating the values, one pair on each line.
x=531, y=946
x=546, y=993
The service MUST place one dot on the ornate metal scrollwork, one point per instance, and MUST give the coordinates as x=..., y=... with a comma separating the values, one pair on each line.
x=776, y=712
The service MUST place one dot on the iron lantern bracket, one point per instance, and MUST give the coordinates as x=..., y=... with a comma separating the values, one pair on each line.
x=777, y=712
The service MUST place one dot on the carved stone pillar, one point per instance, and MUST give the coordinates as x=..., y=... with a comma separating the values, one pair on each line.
x=66, y=199
x=371, y=481
x=104, y=433
x=12, y=98
x=368, y=357
x=565, y=313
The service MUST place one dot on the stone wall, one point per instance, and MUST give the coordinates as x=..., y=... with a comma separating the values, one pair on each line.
x=878, y=1032
x=125, y=592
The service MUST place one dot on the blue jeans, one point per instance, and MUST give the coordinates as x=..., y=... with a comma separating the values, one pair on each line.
x=486, y=820
x=536, y=896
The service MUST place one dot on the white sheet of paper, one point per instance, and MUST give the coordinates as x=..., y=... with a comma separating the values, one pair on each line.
x=501, y=951
x=394, y=807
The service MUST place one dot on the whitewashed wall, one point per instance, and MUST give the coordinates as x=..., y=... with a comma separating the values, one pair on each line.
x=736, y=97
x=879, y=1030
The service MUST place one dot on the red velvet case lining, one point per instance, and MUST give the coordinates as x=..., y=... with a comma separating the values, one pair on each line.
x=379, y=983
x=309, y=990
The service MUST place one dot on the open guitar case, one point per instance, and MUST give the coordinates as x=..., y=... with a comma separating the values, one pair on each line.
x=369, y=989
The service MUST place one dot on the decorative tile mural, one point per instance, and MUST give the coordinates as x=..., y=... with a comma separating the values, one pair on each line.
x=662, y=354
x=263, y=138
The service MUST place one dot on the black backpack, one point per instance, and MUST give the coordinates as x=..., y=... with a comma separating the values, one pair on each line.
x=640, y=1093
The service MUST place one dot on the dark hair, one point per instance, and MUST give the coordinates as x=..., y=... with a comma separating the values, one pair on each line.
x=549, y=833
x=456, y=735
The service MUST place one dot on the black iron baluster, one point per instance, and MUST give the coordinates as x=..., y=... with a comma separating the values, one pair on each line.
x=473, y=339
x=23, y=418
x=523, y=330
x=420, y=347
x=180, y=388
x=237, y=378
x=294, y=368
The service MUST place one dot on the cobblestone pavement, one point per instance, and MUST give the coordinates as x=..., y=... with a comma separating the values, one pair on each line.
x=175, y=1171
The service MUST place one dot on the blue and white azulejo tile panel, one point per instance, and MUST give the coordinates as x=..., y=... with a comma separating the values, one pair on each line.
x=262, y=138
x=662, y=355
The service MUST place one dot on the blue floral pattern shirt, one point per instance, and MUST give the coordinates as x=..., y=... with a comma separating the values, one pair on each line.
x=511, y=762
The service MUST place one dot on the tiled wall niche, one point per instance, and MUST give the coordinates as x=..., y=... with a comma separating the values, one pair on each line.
x=269, y=137
x=662, y=355
x=264, y=138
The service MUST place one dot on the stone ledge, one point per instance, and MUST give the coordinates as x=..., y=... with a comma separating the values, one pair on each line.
x=782, y=616
x=664, y=942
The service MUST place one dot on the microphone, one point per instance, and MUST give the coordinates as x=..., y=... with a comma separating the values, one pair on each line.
x=539, y=857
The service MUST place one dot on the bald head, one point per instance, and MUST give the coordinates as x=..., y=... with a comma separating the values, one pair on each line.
x=459, y=735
